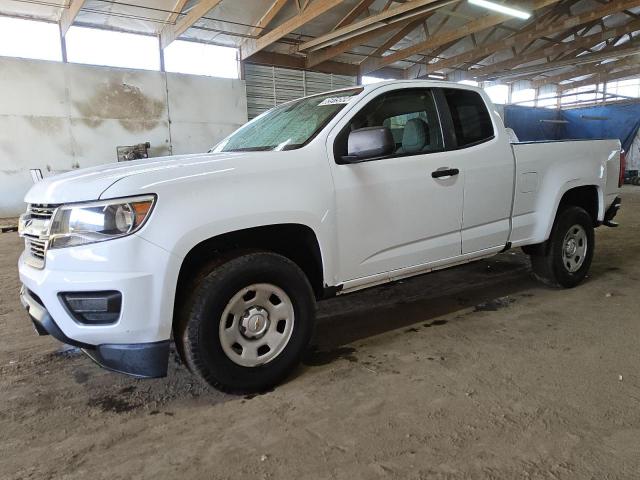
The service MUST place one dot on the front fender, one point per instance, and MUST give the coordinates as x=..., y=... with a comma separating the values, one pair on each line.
x=202, y=201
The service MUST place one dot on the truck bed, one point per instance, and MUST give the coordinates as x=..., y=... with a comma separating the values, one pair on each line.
x=546, y=170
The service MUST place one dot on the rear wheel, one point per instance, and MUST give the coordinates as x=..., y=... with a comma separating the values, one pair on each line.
x=566, y=258
x=247, y=322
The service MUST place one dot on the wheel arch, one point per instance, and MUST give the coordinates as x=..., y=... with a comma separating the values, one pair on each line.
x=297, y=242
x=587, y=196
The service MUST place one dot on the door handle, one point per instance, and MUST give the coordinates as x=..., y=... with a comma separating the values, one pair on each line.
x=445, y=172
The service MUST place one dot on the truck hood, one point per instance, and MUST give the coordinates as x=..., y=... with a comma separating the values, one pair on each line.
x=90, y=183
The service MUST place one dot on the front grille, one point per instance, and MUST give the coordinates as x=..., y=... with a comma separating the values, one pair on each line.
x=36, y=240
x=37, y=249
x=42, y=210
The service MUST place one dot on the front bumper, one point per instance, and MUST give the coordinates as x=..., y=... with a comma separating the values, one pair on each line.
x=148, y=360
x=145, y=274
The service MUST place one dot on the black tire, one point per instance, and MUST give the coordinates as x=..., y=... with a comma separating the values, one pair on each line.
x=197, y=330
x=548, y=265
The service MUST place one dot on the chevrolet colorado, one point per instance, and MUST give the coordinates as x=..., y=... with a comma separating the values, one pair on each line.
x=229, y=250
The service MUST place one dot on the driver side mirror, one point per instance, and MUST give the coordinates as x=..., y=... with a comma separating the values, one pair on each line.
x=370, y=142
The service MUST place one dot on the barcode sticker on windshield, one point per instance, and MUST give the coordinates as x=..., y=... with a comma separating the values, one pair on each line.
x=335, y=101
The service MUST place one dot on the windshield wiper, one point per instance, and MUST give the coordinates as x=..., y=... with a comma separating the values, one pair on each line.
x=251, y=149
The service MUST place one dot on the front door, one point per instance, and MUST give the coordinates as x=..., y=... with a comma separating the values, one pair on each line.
x=397, y=211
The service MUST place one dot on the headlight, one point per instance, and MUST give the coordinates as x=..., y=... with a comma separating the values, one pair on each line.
x=84, y=223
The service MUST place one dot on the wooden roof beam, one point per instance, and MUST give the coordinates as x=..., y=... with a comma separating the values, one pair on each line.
x=380, y=20
x=553, y=14
x=602, y=78
x=474, y=26
x=523, y=38
x=535, y=22
x=302, y=4
x=547, y=18
x=543, y=19
x=265, y=20
x=265, y=57
x=578, y=44
x=69, y=15
x=629, y=13
x=354, y=13
x=176, y=11
x=396, y=37
x=315, y=58
x=172, y=32
x=583, y=71
x=619, y=52
x=610, y=43
x=310, y=13
x=415, y=71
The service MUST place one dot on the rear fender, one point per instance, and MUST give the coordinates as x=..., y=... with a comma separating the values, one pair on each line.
x=566, y=189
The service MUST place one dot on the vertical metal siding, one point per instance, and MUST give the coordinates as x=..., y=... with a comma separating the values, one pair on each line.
x=271, y=86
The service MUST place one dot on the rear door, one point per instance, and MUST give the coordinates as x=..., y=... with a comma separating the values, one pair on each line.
x=391, y=212
x=483, y=152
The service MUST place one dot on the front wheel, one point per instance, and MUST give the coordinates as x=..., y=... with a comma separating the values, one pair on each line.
x=247, y=322
x=567, y=257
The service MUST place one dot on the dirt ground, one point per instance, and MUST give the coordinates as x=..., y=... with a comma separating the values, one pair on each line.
x=473, y=372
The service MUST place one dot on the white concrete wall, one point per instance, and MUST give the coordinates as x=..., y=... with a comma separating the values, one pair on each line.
x=57, y=116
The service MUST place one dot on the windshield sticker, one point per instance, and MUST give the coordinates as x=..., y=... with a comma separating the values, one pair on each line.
x=335, y=101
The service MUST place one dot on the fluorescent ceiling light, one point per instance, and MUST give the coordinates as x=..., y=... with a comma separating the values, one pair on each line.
x=514, y=12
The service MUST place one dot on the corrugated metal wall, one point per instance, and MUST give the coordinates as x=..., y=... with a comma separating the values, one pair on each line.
x=271, y=86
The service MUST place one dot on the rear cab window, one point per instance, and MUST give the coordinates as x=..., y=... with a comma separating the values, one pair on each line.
x=470, y=119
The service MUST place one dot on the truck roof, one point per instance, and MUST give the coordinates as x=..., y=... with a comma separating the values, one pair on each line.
x=421, y=82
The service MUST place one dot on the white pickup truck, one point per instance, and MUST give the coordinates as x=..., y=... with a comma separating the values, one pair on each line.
x=229, y=250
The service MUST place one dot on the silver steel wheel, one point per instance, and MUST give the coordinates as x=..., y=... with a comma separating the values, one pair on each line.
x=574, y=248
x=256, y=324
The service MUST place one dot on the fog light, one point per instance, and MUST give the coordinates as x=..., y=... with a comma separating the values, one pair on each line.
x=93, y=308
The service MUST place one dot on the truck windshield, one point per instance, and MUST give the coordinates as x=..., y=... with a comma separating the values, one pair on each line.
x=288, y=126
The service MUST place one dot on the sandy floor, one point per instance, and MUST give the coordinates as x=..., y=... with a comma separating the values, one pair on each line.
x=475, y=372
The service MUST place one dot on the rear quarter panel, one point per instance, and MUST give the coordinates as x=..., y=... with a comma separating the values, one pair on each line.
x=545, y=171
